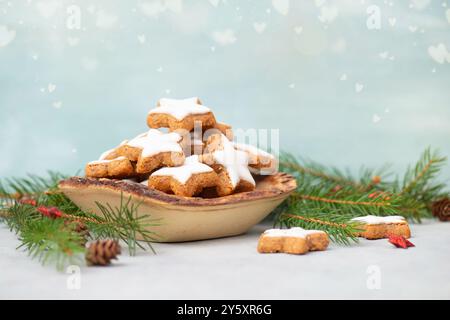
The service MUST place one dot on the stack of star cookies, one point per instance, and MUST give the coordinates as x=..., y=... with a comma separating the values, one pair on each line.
x=186, y=152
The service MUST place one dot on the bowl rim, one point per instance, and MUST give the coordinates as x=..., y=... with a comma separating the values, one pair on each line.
x=283, y=184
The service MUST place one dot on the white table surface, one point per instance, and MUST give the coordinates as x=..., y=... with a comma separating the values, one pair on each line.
x=231, y=268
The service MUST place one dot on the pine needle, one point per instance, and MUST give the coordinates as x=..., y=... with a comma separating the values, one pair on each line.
x=327, y=198
x=49, y=240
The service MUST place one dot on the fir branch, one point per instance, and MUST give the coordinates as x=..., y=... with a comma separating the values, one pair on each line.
x=346, y=200
x=122, y=223
x=342, y=202
x=51, y=239
x=327, y=198
x=290, y=163
x=14, y=188
x=338, y=227
x=318, y=173
x=419, y=181
x=47, y=240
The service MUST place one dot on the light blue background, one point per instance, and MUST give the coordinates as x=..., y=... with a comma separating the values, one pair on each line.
x=278, y=78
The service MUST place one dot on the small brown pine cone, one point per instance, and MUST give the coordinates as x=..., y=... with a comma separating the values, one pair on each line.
x=80, y=228
x=441, y=209
x=101, y=252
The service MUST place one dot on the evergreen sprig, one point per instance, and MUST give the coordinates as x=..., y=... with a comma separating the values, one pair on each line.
x=318, y=173
x=118, y=223
x=337, y=226
x=419, y=181
x=53, y=240
x=47, y=240
x=30, y=185
x=328, y=198
x=124, y=223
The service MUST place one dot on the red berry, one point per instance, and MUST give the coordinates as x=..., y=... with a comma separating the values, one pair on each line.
x=50, y=212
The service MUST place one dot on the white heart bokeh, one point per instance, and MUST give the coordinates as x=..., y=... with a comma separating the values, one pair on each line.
x=298, y=29
x=73, y=41
x=47, y=9
x=358, y=87
x=105, y=20
x=259, y=27
x=51, y=87
x=439, y=53
x=142, y=38
x=281, y=6
x=224, y=37
x=376, y=118
x=6, y=36
x=328, y=14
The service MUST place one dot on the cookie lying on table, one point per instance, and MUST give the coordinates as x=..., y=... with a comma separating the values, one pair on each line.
x=293, y=241
x=186, y=180
x=375, y=227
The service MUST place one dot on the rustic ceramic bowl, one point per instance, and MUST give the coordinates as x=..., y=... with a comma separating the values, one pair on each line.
x=183, y=218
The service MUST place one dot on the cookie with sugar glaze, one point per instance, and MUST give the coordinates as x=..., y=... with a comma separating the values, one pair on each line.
x=292, y=241
x=117, y=168
x=193, y=141
x=186, y=180
x=112, y=153
x=230, y=164
x=152, y=150
x=375, y=227
x=219, y=127
x=180, y=114
x=259, y=161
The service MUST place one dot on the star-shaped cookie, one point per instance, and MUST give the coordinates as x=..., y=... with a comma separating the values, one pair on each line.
x=230, y=164
x=180, y=114
x=152, y=150
x=110, y=165
x=186, y=180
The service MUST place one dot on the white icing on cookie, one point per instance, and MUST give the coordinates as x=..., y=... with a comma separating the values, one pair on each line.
x=184, y=172
x=170, y=102
x=380, y=220
x=130, y=180
x=234, y=161
x=179, y=109
x=107, y=161
x=195, y=140
x=155, y=141
x=253, y=150
x=292, y=232
x=102, y=158
x=105, y=154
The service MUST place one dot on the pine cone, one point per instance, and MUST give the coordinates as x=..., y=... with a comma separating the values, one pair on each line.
x=101, y=252
x=80, y=228
x=441, y=209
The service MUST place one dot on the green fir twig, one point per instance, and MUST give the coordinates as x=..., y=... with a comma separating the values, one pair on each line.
x=51, y=240
x=328, y=198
